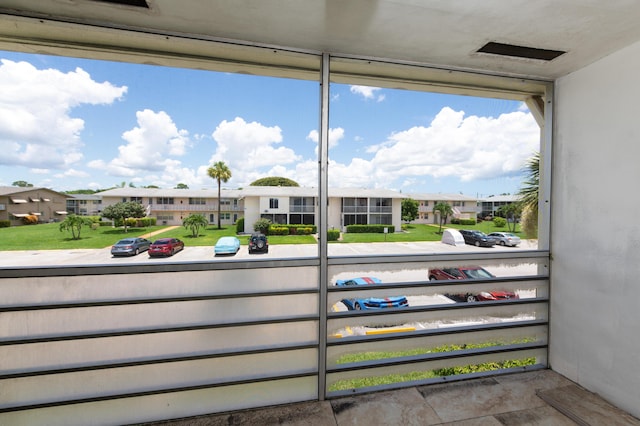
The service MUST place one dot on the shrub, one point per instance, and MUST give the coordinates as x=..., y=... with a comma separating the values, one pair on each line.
x=30, y=220
x=333, y=234
x=370, y=229
x=455, y=221
x=240, y=225
x=262, y=225
x=499, y=222
x=467, y=221
x=278, y=230
x=5, y=223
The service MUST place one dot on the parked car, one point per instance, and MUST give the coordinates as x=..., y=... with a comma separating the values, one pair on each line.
x=477, y=238
x=371, y=302
x=130, y=246
x=258, y=243
x=470, y=273
x=165, y=247
x=505, y=238
x=227, y=245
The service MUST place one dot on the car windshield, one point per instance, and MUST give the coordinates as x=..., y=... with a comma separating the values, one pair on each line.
x=477, y=273
x=161, y=242
x=125, y=242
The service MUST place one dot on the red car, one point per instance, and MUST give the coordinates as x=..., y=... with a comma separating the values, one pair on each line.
x=470, y=273
x=165, y=247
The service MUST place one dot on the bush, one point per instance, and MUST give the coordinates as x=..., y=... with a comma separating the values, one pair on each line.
x=499, y=222
x=5, y=223
x=240, y=225
x=333, y=234
x=262, y=226
x=467, y=221
x=370, y=229
x=30, y=220
x=278, y=230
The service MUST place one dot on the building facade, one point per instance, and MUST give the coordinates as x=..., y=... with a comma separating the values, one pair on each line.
x=17, y=203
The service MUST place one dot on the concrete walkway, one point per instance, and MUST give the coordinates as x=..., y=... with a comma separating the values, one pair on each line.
x=537, y=398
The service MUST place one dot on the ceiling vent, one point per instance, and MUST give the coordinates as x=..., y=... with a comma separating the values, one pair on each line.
x=134, y=3
x=520, y=51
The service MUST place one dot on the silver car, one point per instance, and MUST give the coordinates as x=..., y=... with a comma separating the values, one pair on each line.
x=506, y=238
x=130, y=246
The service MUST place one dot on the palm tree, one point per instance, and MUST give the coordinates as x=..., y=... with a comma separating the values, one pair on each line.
x=529, y=195
x=195, y=222
x=445, y=211
x=221, y=173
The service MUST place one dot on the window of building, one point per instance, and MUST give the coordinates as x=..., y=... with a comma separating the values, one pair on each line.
x=273, y=203
x=164, y=200
x=136, y=200
x=198, y=200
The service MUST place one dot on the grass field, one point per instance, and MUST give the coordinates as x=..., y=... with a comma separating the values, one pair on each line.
x=48, y=236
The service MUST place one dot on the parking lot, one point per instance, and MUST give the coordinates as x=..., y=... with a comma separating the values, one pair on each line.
x=35, y=258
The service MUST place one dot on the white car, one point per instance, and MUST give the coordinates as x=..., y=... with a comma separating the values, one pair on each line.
x=506, y=238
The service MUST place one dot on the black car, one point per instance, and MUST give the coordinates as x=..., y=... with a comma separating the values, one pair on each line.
x=258, y=243
x=477, y=238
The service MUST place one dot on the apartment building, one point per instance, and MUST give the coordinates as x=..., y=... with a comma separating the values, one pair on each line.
x=17, y=203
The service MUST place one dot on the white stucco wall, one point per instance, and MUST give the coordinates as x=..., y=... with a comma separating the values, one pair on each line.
x=595, y=243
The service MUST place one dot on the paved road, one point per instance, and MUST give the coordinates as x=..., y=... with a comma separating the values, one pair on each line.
x=103, y=256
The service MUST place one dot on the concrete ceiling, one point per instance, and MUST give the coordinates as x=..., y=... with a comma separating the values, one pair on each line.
x=441, y=34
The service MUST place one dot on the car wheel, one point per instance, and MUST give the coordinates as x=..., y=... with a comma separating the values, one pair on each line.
x=471, y=298
x=357, y=306
x=502, y=243
x=135, y=253
x=477, y=243
x=432, y=278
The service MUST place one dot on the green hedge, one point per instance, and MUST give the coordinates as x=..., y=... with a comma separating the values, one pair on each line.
x=333, y=234
x=370, y=229
x=5, y=223
x=240, y=225
x=455, y=221
x=278, y=229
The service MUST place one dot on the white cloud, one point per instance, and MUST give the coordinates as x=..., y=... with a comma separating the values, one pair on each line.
x=367, y=92
x=335, y=135
x=149, y=148
x=36, y=128
x=249, y=149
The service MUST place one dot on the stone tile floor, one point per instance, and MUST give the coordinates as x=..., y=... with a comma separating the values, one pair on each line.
x=540, y=398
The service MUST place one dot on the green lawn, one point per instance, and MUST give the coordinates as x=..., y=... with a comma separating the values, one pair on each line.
x=48, y=236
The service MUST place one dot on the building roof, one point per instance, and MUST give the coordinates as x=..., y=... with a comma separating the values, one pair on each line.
x=510, y=198
x=441, y=197
x=10, y=190
x=160, y=192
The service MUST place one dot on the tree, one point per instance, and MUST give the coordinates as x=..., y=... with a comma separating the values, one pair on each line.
x=409, y=209
x=74, y=224
x=262, y=226
x=123, y=210
x=511, y=212
x=444, y=210
x=529, y=196
x=274, y=181
x=195, y=222
x=182, y=186
x=221, y=173
x=22, y=184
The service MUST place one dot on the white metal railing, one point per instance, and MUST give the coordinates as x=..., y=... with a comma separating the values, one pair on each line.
x=182, y=339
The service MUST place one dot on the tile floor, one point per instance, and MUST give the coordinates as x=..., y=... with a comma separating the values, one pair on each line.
x=509, y=400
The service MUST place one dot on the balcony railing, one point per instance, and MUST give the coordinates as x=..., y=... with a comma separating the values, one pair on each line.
x=194, y=208
x=302, y=209
x=126, y=344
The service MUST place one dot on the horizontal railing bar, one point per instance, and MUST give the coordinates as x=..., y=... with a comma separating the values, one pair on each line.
x=349, y=340
x=82, y=336
x=112, y=397
x=436, y=257
x=432, y=381
x=435, y=283
x=169, y=299
x=191, y=266
x=106, y=366
x=462, y=353
x=441, y=307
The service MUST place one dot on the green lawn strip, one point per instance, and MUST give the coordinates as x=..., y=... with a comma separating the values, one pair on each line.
x=48, y=237
x=421, y=375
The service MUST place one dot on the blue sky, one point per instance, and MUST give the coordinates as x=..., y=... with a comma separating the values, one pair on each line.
x=69, y=123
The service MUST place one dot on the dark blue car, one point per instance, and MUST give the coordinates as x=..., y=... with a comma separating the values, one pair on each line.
x=371, y=302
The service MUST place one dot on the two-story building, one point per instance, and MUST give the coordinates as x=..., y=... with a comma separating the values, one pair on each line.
x=18, y=202
x=464, y=207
